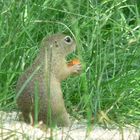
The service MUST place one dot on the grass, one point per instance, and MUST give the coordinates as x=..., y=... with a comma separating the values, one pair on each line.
x=107, y=35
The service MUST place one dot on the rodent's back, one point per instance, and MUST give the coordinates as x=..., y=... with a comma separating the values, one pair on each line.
x=25, y=101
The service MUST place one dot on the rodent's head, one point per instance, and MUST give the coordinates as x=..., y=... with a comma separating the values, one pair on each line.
x=60, y=44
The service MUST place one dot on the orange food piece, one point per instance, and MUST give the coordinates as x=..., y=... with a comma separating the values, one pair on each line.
x=73, y=62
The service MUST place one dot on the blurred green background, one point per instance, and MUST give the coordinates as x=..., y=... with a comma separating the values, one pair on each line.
x=107, y=33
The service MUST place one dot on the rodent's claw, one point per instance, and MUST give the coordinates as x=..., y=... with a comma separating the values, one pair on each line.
x=76, y=69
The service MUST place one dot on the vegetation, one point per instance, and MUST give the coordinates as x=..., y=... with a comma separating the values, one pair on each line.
x=107, y=34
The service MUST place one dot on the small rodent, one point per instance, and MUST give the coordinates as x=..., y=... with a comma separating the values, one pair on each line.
x=46, y=82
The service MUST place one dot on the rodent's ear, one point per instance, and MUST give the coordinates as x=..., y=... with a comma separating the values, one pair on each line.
x=68, y=39
x=56, y=43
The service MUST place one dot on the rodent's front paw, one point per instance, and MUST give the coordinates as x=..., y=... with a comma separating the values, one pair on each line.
x=76, y=69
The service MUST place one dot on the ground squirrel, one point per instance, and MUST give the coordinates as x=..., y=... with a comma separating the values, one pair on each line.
x=46, y=81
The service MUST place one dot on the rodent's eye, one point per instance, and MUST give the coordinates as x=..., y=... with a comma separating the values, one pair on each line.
x=68, y=39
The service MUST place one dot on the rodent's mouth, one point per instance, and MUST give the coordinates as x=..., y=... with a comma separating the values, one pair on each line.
x=74, y=48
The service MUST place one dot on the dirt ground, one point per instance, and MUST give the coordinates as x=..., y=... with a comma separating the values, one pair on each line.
x=11, y=129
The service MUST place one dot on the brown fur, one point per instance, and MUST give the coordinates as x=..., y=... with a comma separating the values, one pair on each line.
x=53, y=69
